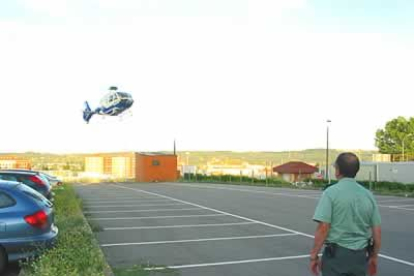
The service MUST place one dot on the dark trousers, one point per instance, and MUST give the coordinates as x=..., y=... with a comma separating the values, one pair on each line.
x=344, y=262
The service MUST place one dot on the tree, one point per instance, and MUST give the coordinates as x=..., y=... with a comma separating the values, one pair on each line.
x=396, y=132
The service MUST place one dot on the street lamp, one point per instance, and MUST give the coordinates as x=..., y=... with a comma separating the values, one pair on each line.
x=408, y=135
x=327, y=175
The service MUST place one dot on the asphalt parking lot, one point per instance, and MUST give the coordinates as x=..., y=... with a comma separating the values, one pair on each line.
x=211, y=229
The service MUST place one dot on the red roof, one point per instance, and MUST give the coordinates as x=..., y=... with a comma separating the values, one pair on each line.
x=295, y=168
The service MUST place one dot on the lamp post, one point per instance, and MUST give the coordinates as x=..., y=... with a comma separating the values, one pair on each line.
x=327, y=175
x=403, y=141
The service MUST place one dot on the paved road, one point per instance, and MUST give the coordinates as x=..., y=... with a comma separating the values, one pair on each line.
x=205, y=229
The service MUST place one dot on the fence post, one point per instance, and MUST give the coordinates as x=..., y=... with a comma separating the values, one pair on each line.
x=370, y=182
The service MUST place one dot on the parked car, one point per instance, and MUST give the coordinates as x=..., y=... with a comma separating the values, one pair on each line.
x=32, y=179
x=53, y=180
x=26, y=223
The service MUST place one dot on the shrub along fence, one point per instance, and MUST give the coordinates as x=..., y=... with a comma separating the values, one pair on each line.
x=381, y=187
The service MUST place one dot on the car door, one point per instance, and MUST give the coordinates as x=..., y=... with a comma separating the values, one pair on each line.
x=6, y=201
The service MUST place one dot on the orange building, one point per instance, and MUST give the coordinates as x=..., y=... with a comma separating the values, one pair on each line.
x=142, y=167
x=154, y=167
x=14, y=162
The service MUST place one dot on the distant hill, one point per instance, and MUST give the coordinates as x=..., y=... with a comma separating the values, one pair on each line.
x=75, y=162
x=314, y=156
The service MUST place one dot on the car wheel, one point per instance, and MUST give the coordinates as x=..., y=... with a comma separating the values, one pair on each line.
x=3, y=259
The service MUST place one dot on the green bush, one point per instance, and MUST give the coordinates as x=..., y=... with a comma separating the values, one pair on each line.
x=383, y=187
x=234, y=179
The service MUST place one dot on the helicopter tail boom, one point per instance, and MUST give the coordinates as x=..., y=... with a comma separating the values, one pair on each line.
x=87, y=113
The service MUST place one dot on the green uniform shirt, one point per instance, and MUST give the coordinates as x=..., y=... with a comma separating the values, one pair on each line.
x=352, y=212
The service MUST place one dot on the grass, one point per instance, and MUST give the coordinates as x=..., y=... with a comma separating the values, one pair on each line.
x=76, y=252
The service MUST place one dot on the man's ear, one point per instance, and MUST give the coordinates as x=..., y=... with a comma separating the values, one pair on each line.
x=337, y=173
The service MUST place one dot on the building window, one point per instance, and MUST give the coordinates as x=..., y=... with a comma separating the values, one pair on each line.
x=155, y=162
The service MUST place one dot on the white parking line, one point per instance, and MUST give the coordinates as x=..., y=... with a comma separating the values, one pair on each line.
x=176, y=226
x=216, y=211
x=401, y=206
x=108, y=199
x=160, y=217
x=397, y=200
x=406, y=209
x=137, y=211
x=230, y=263
x=199, y=240
x=133, y=205
x=252, y=220
x=124, y=201
x=246, y=190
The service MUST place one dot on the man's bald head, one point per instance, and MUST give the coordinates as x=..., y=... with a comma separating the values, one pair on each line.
x=347, y=164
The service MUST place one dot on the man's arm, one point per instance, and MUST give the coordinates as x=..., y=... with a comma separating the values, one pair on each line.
x=373, y=257
x=321, y=234
x=376, y=235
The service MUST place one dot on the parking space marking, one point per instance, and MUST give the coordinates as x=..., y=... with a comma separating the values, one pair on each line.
x=397, y=200
x=177, y=226
x=124, y=201
x=96, y=197
x=161, y=217
x=134, y=205
x=246, y=190
x=200, y=240
x=138, y=211
x=248, y=219
x=401, y=206
x=216, y=211
x=406, y=209
x=230, y=262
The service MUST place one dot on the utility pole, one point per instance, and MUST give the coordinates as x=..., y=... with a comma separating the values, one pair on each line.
x=327, y=175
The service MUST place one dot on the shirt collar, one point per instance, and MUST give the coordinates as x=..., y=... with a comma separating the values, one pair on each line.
x=346, y=179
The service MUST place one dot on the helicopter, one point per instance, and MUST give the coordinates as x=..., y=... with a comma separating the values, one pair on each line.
x=112, y=104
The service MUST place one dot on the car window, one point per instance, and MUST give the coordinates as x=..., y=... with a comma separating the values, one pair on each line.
x=25, y=180
x=8, y=177
x=32, y=193
x=6, y=200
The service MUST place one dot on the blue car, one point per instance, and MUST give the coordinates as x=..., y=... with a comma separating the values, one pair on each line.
x=32, y=179
x=26, y=223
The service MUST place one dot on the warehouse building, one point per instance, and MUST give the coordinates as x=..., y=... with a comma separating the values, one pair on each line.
x=140, y=167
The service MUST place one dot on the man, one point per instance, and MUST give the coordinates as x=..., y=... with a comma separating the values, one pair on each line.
x=348, y=218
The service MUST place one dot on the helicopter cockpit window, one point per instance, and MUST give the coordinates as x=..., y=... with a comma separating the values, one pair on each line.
x=124, y=95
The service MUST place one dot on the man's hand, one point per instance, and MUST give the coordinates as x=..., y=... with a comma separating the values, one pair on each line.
x=315, y=266
x=372, y=266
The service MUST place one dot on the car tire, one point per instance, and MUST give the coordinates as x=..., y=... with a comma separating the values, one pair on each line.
x=3, y=259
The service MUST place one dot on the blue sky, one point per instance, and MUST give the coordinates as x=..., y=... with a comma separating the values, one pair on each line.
x=394, y=16
x=356, y=15
x=215, y=75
